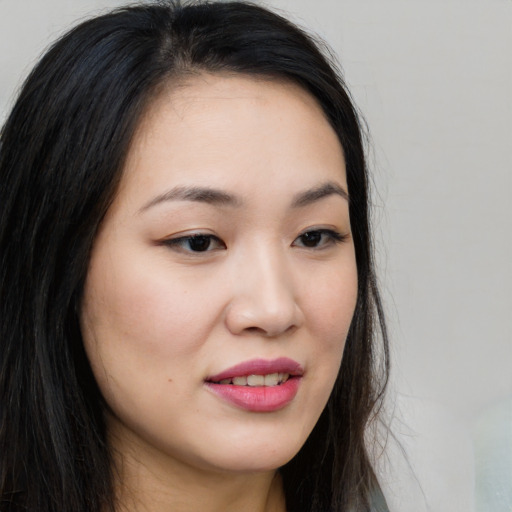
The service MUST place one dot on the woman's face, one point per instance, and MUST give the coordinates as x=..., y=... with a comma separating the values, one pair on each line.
x=223, y=280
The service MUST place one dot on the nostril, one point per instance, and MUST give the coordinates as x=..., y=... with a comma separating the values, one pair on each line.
x=255, y=330
x=268, y=333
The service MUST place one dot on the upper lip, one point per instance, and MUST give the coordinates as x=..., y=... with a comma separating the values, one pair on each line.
x=260, y=367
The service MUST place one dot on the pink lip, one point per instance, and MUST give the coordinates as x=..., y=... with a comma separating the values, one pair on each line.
x=258, y=398
x=259, y=367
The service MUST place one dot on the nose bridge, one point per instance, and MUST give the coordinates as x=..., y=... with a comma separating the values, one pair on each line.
x=271, y=276
x=264, y=293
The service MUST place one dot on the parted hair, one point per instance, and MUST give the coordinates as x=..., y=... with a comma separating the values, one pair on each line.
x=62, y=152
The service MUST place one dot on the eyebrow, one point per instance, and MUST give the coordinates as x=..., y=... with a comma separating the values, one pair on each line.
x=218, y=197
x=311, y=196
x=199, y=194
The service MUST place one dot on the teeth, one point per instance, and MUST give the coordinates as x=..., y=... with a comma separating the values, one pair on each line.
x=272, y=379
x=256, y=380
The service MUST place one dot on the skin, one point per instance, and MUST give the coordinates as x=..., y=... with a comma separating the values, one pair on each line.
x=158, y=318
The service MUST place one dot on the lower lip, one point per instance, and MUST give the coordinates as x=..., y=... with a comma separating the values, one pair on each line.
x=258, y=398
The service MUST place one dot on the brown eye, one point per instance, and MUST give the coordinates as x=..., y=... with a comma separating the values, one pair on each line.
x=319, y=238
x=196, y=243
x=311, y=238
x=199, y=243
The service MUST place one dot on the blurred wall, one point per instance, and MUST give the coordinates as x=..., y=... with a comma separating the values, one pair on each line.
x=434, y=81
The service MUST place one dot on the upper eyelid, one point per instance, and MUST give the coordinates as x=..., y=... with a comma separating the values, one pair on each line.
x=326, y=230
x=323, y=229
x=186, y=234
x=192, y=235
x=332, y=233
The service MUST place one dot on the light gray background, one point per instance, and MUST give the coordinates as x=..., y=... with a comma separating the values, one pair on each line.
x=434, y=81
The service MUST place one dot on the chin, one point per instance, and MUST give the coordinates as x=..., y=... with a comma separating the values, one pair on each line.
x=250, y=455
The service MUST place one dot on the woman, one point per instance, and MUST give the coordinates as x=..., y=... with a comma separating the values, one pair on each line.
x=189, y=308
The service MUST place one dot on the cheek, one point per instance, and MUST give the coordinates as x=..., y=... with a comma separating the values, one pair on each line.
x=331, y=304
x=144, y=312
x=142, y=332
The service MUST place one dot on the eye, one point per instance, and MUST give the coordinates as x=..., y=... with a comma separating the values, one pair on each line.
x=319, y=238
x=196, y=243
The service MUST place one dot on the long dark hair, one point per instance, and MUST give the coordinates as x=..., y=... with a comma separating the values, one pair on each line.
x=61, y=158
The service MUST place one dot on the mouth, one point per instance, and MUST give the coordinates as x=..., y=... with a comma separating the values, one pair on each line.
x=259, y=385
x=273, y=371
x=269, y=380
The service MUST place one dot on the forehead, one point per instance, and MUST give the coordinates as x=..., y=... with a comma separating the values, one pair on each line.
x=208, y=89
x=233, y=130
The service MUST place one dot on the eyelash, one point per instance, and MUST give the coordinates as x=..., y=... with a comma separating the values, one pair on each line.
x=180, y=242
x=205, y=240
x=333, y=237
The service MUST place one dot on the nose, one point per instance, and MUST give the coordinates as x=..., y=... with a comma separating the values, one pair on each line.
x=264, y=300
